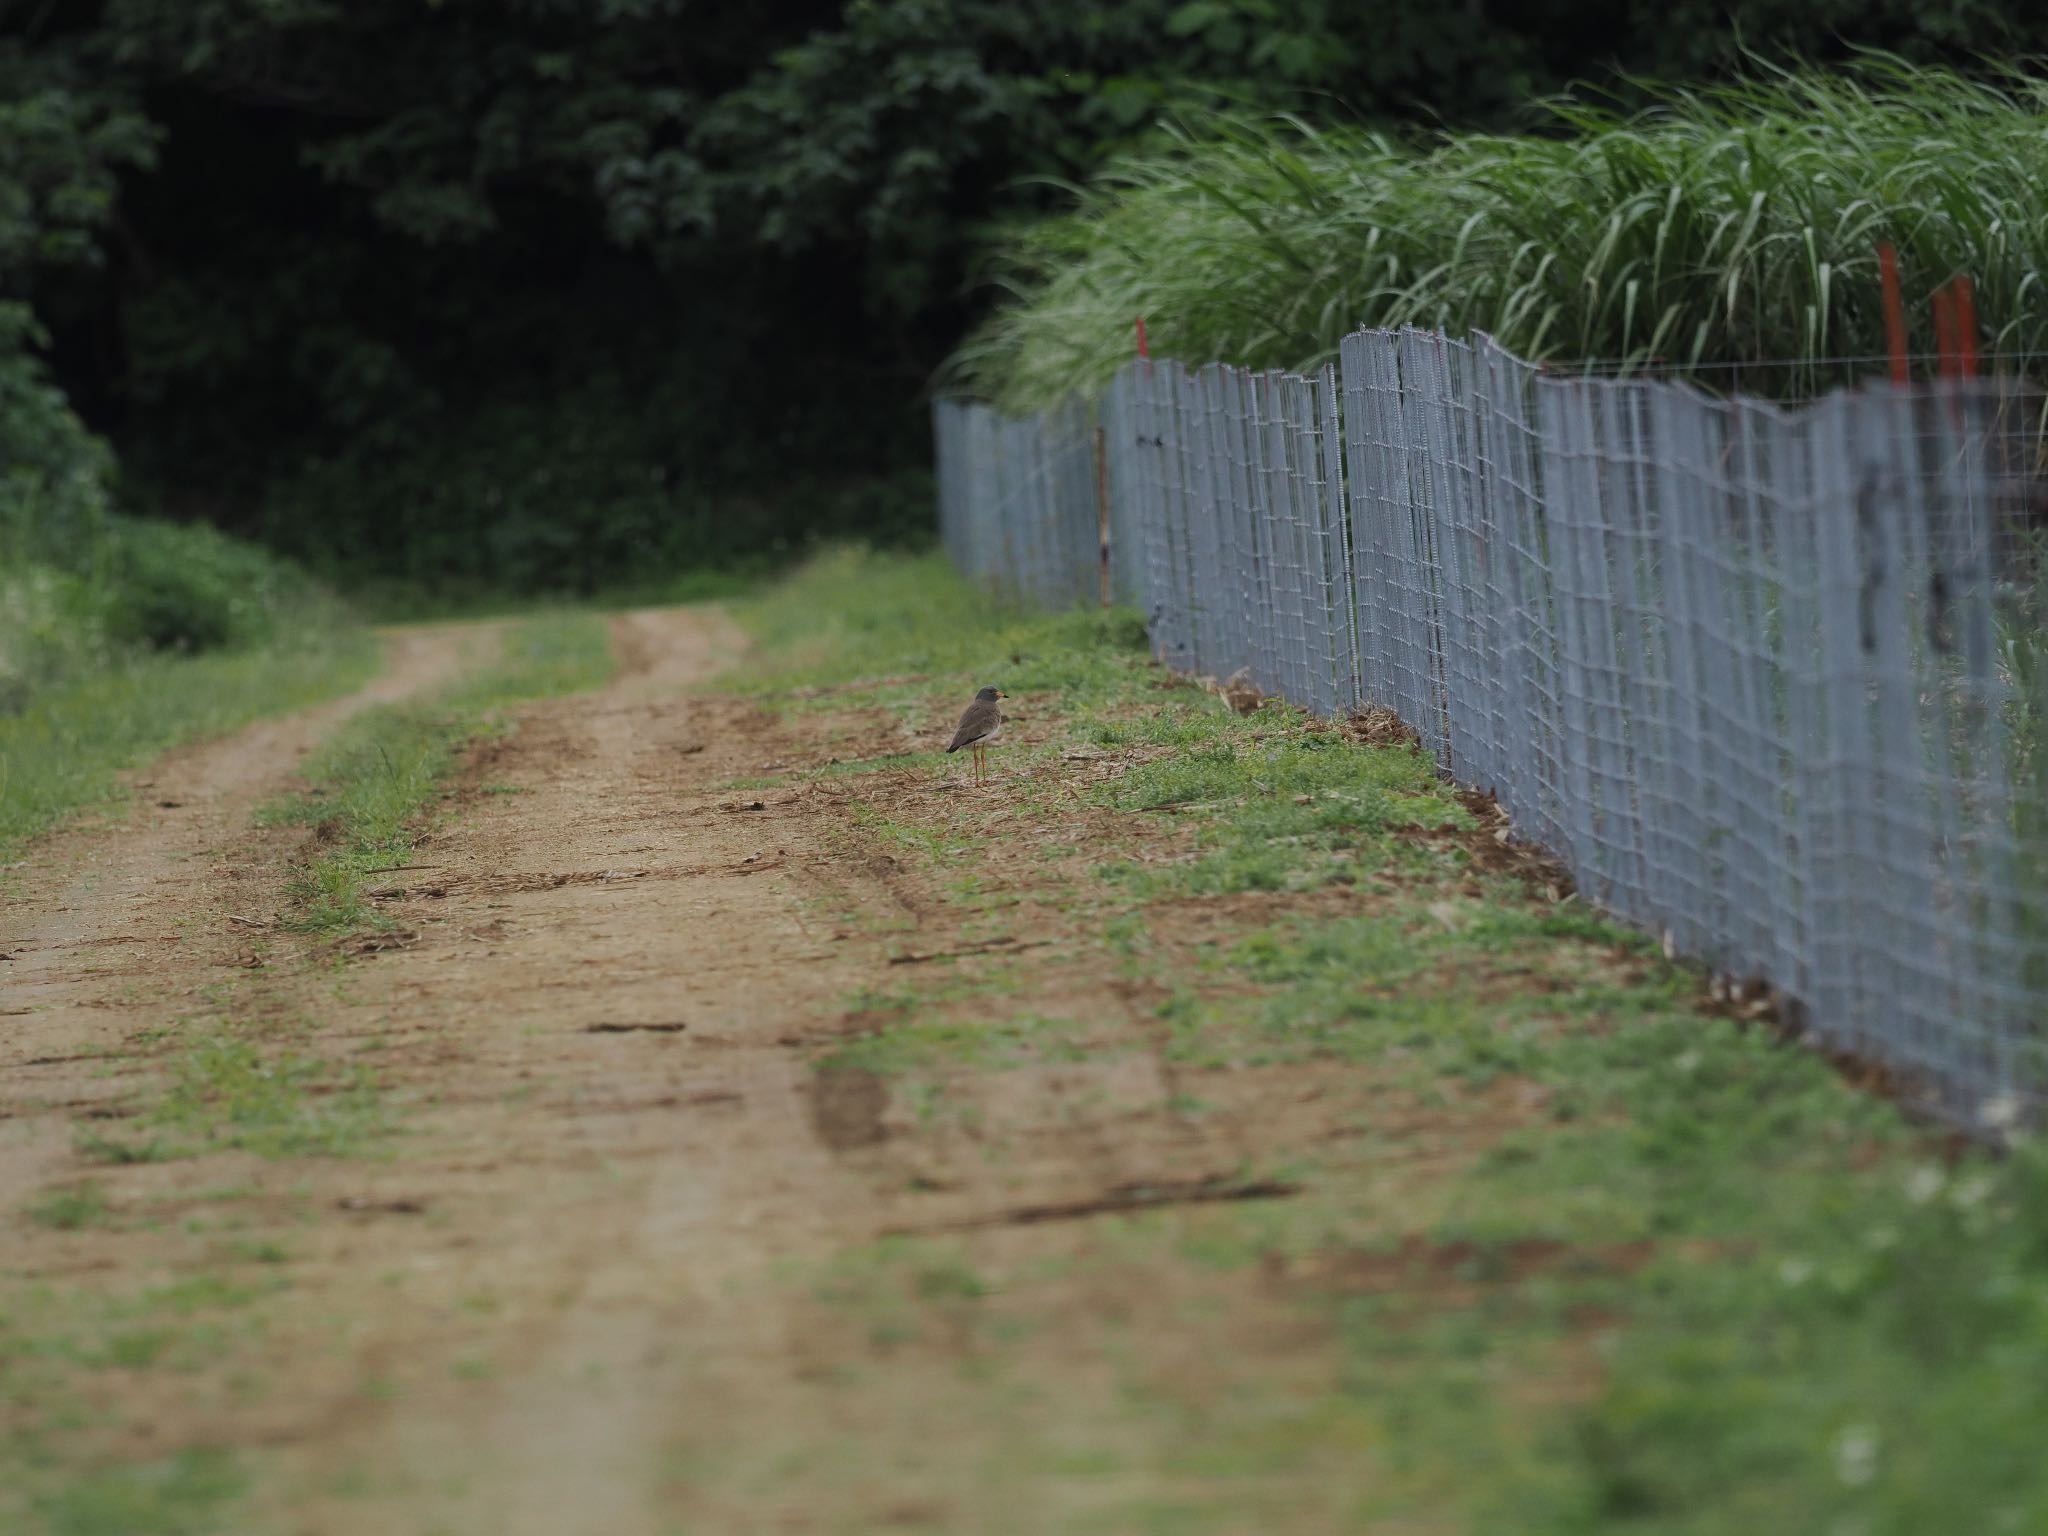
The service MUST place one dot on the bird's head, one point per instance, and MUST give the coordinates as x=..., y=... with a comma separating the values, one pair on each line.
x=990, y=695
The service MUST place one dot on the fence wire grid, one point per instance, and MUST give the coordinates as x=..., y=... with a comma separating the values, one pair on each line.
x=1766, y=681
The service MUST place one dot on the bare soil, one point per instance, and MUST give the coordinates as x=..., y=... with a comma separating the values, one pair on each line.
x=111, y=927
x=626, y=1266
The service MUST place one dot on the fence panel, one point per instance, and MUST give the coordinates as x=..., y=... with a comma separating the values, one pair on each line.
x=1532, y=784
x=1769, y=682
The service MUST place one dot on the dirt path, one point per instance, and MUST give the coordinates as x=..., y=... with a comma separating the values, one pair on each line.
x=120, y=926
x=607, y=1141
x=614, y=953
x=639, y=1256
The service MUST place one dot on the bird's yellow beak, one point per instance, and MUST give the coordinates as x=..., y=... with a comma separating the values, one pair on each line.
x=1000, y=694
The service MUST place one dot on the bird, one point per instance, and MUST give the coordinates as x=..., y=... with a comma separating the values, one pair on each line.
x=979, y=726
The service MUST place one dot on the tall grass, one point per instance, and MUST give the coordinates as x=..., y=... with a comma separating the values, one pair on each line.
x=67, y=747
x=1732, y=225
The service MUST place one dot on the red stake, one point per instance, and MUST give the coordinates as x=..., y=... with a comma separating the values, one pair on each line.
x=1945, y=334
x=1894, y=310
x=1966, y=324
x=1143, y=350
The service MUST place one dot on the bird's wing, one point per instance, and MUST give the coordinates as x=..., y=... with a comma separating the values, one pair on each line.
x=982, y=717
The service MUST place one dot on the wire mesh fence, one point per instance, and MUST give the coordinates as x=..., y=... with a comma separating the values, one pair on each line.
x=1026, y=497
x=1767, y=681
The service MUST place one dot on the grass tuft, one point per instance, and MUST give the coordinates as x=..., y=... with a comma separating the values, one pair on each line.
x=229, y=1093
x=373, y=781
x=67, y=1210
x=1282, y=804
x=182, y=1495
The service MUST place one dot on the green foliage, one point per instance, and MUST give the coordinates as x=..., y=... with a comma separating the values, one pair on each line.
x=194, y=589
x=555, y=293
x=312, y=349
x=84, y=588
x=439, y=125
x=65, y=140
x=54, y=488
x=102, y=617
x=93, y=604
x=880, y=125
x=1725, y=225
x=56, y=524
x=611, y=487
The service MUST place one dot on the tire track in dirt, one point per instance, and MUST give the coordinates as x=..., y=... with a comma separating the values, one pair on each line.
x=121, y=925
x=564, y=1305
x=624, y=1148
x=629, y=1147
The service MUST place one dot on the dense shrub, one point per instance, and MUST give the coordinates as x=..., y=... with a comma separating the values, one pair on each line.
x=82, y=590
x=174, y=588
x=606, y=485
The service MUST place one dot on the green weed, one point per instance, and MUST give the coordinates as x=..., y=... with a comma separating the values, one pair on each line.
x=974, y=1042
x=181, y=1495
x=1280, y=804
x=101, y=1148
x=932, y=846
x=918, y=639
x=229, y=1092
x=66, y=1210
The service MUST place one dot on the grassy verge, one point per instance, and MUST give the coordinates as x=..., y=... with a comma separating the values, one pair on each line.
x=83, y=1366
x=1575, y=1254
x=371, y=784
x=65, y=751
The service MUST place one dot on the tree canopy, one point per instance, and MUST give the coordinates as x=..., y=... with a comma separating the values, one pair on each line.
x=538, y=291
